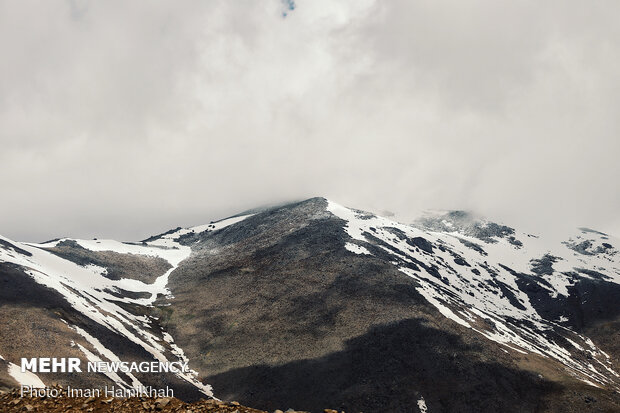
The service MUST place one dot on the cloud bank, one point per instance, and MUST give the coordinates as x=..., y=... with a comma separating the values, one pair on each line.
x=124, y=119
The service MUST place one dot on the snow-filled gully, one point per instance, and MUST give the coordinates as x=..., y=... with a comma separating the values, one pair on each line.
x=467, y=296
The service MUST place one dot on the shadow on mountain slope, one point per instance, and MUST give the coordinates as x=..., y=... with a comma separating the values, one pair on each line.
x=387, y=370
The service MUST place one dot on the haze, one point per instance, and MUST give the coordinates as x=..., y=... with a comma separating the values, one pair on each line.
x=124, y=119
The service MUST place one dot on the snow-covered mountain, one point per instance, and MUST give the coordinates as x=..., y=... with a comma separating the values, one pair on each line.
x=117, y=307
x=314, y=304
x=512, y=288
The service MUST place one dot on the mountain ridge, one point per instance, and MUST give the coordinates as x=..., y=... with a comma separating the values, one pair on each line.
x=247, y=299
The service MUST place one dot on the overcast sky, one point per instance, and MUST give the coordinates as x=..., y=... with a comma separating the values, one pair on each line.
x=123, y=119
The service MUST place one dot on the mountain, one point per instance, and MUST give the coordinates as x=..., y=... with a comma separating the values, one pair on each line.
x=313, y=305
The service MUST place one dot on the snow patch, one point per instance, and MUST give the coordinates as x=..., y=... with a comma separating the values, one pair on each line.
x=26, y=378
x=422, y=405
x=356, y=249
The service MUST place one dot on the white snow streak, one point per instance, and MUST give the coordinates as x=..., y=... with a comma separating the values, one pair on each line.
x=26, y=378
x=357, y=249
x=422, y=405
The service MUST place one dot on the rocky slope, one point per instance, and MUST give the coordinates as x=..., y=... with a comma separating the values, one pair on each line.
x=313, y=304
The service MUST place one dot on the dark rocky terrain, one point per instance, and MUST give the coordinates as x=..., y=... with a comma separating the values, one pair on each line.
x=310, y=304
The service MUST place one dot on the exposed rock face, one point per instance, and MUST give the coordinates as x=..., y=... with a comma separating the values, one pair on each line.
x=312, y=304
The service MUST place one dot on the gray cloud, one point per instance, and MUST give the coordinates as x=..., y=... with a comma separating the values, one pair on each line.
x=123, y=119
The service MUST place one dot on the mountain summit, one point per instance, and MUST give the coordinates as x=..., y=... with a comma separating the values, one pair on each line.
x=313, y=305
